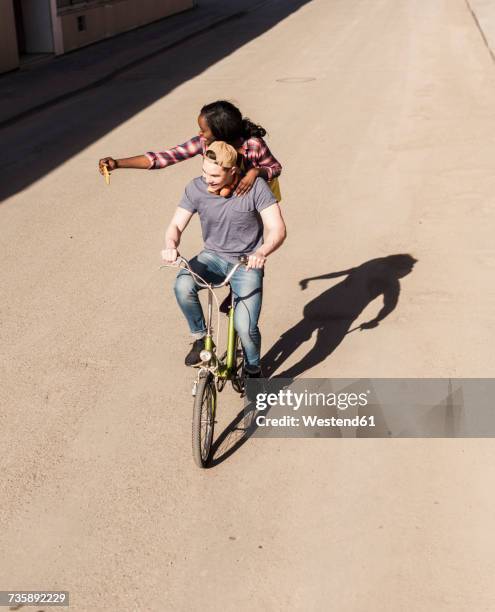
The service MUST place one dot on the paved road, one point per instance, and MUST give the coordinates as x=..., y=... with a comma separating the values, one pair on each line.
x=386, y=141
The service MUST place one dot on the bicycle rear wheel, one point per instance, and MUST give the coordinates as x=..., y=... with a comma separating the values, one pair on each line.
x=238, y=375
x=203, y=422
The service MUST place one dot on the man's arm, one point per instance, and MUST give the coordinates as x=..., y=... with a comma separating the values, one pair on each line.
x=274, y=234
x=174, y=232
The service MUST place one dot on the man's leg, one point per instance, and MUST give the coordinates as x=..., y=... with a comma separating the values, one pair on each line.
x=212, y=269
x=247, y=286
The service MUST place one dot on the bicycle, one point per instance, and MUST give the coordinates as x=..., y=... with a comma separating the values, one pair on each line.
x=214, y=372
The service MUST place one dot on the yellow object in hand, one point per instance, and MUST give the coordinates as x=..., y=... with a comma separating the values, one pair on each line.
x=106, y=174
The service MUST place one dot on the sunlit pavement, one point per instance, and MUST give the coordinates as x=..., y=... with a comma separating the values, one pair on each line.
x=382, y=115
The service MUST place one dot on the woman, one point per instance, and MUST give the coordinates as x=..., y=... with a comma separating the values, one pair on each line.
x=219, y=120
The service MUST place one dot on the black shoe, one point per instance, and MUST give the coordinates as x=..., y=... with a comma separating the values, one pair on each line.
x=193, y=358
x=252, y=372
x=250, y=390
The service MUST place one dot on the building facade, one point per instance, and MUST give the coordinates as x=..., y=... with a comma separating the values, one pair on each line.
x=35, y=27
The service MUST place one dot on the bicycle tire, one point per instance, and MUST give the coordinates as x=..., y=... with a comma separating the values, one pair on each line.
x=203, y=421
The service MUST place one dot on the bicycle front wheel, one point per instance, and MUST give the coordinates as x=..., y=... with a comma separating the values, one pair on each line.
x=203, y=422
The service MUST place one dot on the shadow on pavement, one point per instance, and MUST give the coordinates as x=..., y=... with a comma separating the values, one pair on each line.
x=39, y=144
x=332, y=313
x=237, y=432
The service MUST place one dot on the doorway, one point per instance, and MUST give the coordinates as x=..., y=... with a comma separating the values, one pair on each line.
x=33, y=24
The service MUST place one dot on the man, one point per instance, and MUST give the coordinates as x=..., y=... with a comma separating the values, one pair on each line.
x=231, y=226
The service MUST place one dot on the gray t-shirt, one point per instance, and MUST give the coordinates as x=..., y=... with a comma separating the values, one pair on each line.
x=231, y=226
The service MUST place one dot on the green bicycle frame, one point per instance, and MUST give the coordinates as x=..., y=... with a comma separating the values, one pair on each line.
x=225, y=370
x=231, y=333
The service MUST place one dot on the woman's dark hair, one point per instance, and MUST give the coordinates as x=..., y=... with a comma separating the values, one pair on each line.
x=227, y=123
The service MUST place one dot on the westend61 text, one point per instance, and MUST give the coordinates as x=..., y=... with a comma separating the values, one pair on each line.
x=286, y=397
x=314, y=421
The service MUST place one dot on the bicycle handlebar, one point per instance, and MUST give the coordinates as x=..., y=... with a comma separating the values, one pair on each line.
x=182, y=262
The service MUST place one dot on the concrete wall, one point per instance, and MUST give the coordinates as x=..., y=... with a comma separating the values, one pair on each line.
x=105, y=20
x=9, y=58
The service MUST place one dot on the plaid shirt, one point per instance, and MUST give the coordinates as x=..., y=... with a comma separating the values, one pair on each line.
x=255, y=154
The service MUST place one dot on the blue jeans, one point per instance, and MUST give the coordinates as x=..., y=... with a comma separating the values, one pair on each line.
x=247, y=287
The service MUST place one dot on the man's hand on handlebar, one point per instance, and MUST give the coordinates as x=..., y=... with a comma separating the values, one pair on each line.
x=169, y=256
x=256, y=261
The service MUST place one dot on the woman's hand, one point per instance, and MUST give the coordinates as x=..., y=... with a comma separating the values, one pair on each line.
x=246, y=183
x=109, y=162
